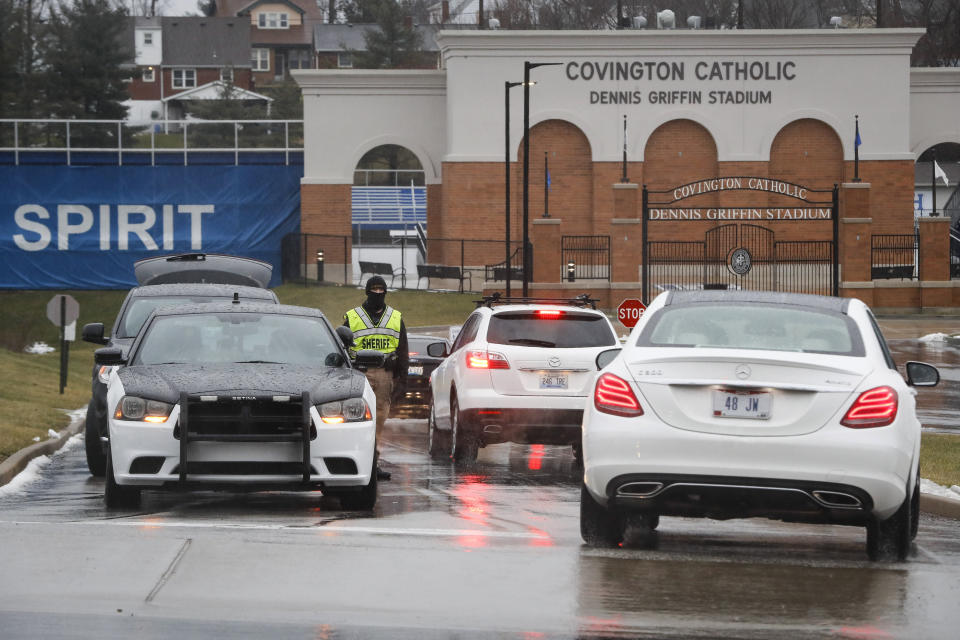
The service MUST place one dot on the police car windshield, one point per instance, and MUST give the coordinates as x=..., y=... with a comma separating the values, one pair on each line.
x=237, y=337
x=562, y=330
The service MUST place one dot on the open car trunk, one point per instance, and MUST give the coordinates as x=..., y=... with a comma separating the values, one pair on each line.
x=203, y=267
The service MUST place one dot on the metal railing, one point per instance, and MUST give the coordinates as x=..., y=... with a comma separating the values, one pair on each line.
x=120, y=142
x=585, y=258
x=894, y=256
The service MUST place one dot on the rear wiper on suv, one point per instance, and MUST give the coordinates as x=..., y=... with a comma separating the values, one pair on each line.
x=533, y=342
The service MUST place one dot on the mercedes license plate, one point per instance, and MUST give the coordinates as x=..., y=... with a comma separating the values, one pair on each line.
x=553, y=381
x=729, y=403
x=415, y=371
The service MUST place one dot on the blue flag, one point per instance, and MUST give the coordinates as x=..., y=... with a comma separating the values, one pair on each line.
x=548, y=178
x=857, y=141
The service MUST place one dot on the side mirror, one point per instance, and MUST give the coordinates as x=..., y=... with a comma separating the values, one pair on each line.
x=93, y=332
x=921, y=374
x=369, y=359
x=109, y=356
x=345, y=335
x=606, y=357
x=437, y=350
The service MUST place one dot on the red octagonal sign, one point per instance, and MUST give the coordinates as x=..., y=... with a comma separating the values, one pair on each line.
x=629, y=312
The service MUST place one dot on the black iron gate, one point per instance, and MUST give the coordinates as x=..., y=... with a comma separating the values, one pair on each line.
x=741, y=254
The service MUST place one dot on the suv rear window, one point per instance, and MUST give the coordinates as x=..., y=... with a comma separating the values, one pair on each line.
x=565, y=331
x=140, y=308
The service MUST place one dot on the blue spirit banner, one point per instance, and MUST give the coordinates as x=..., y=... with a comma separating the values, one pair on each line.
x=83, y=227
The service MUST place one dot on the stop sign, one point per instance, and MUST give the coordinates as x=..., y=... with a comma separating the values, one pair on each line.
x=629, y=312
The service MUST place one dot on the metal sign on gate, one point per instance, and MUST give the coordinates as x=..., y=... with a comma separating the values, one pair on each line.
x=740, y=249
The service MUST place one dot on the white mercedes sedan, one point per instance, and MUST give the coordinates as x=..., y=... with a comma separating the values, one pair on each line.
x=739, y=404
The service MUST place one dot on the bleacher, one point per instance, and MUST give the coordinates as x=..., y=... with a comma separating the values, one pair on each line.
x=389, y=205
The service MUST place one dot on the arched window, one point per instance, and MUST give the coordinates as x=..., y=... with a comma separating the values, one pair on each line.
x=389, y=165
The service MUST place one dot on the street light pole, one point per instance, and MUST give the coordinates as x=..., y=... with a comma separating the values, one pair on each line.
x=527, y=66
x=506, y=167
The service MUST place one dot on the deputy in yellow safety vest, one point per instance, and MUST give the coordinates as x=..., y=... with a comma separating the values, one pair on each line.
x=378, y=326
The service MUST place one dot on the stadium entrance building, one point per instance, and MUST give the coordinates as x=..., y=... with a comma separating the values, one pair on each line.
x=769, y=159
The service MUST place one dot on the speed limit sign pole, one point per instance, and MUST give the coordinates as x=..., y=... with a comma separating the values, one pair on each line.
x=629, y=312
x=62, y=311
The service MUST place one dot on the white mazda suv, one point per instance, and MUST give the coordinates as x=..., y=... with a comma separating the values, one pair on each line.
x=736, y=404
x=517, y=372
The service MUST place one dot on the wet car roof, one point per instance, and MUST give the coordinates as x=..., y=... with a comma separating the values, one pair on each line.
x=202, y=289
x=241, y=307
x=838, y=305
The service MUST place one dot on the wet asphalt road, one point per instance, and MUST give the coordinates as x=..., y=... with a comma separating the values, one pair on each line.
x=487, y=551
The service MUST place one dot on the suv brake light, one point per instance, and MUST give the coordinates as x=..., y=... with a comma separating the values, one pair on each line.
x=613, y=395
x=872, y=408
x=486, y=360
x=549, y=313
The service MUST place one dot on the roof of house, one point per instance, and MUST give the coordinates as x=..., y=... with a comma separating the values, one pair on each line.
x=341, y=37
x=206, y=42
x=214, y=91
x=309, y=8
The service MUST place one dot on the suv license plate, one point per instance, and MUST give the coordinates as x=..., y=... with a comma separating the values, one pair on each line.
x=728, y=403
x=415, y=371
x=553, y=382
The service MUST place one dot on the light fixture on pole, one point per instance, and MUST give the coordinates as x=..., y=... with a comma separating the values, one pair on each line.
x=506, y=167
x=527, y=65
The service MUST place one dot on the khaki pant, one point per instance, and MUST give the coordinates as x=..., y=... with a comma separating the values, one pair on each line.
x=382, y=382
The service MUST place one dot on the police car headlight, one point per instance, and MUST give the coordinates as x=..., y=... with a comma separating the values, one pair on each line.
x=142, y=410
x=352, y=410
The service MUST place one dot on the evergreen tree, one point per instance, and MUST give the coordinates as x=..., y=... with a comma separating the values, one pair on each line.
x=85, y=51
x=392, y=45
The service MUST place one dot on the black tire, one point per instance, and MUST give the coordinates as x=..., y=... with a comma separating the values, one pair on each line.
x=599, y=526
x=96, y=458
x=889, y=540
x=578, y=454
x=365, y=499
x=438, y=442
x=915, y=509
x=464, y=446
x=118, y=496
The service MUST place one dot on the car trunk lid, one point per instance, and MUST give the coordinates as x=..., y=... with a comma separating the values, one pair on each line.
x=203, y=267
x=756, y=394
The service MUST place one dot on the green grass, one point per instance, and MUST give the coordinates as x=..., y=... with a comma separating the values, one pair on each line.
x=30, y=402
x=940, y=458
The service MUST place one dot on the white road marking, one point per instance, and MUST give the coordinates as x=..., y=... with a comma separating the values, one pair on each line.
x=386, y=531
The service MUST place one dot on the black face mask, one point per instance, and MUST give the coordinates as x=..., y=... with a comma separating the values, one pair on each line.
x=375, y=301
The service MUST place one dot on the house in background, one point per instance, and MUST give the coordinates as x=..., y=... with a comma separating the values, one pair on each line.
x=335, y=44
x=187, y=58
x=280, y=33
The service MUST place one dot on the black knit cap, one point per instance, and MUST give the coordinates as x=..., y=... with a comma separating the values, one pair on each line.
x=376, y=280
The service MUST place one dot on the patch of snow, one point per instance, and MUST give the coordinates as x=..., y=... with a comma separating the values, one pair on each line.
x=52, y=434
x=39, y=347
x=36, y=439
x=23, y=479
x=932, y=488
x=34, y=468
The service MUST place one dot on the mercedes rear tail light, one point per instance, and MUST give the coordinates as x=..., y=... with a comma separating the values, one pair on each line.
x=873, y=408
x=486, y=360
x=613, y=395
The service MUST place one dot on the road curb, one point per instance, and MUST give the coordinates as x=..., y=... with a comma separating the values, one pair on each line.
x=940, y=506
x=16, y=463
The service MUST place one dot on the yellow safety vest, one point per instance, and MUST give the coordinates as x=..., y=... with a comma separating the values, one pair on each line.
x=384, y=336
